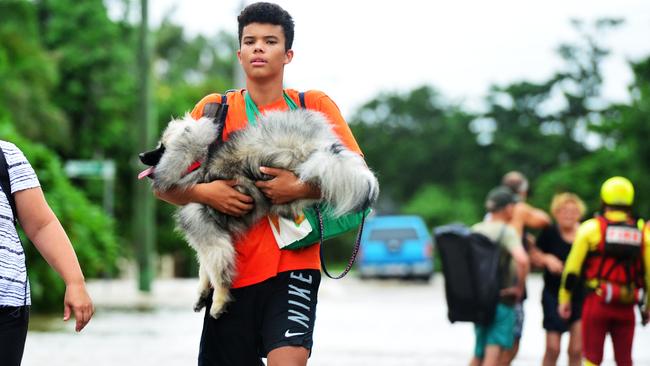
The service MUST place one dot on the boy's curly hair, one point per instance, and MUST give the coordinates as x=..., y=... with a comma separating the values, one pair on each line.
x=269, y=13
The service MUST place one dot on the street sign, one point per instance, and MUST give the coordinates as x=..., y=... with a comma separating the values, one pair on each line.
x=102, y=169
x=90, y=168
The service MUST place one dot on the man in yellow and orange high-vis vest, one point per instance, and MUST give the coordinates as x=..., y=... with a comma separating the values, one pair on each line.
x=611, y=252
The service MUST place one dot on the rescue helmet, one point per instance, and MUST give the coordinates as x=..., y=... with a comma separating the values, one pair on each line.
x=617, y=191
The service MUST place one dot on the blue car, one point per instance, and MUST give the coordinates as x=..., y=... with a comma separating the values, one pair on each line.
x=396, y=246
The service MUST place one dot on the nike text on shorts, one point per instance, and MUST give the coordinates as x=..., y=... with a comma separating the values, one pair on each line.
x=278, y=312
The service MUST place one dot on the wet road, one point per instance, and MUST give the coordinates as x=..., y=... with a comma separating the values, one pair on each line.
x=359, y=323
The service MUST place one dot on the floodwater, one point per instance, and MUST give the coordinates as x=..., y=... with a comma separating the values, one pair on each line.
x=378, y=323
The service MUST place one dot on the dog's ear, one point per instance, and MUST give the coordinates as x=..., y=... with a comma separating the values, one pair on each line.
x=152, y=157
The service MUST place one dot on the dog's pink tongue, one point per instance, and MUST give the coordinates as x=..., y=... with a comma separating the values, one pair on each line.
x=146, y=172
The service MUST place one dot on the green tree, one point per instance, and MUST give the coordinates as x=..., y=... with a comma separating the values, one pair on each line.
x=623, y=151
x=415, y=139
x=28, y=75
x=538, y=126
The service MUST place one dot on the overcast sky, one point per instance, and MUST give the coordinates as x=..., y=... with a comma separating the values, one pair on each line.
x=354, y=49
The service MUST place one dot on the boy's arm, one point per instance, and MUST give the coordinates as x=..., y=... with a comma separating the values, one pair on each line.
x=45, y=231
x=285, y=186
x=219, y=194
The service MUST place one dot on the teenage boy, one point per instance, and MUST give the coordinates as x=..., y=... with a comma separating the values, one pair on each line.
x=494, y=339
x=275, y=291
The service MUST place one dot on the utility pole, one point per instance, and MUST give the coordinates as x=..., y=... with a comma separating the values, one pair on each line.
x=143, y=218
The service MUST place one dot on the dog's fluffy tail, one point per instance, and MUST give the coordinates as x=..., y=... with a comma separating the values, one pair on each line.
x=346, y=183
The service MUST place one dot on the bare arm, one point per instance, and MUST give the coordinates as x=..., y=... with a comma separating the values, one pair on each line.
x=537, y=257
x=218, y=194
x=523, y=267
x=45, y=231
x=286, y=186
x=540, y=259
x=526, y=215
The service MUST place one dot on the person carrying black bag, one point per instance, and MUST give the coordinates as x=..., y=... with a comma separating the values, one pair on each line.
x=494, y=338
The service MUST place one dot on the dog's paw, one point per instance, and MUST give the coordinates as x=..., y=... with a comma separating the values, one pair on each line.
x=200, y=303
x=216, y=310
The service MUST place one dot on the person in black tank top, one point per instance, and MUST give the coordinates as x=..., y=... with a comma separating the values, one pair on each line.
x=553, y=247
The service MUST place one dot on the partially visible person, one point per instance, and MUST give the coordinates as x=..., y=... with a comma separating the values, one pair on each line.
x=497, y=337
x=550, y=252
x=525, y=217
x=611, y=252
x=47, y=234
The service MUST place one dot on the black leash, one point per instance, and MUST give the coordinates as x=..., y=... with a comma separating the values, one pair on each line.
x=355, y=251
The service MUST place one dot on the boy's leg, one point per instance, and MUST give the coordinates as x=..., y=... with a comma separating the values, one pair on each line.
x=288, y=356
x=289, y=316
x=13, y=333
x=233, y=338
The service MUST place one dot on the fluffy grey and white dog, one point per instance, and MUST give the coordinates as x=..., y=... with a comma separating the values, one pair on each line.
x=301, y=141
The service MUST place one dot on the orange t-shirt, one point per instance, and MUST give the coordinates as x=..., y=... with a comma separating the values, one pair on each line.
x=258, y=255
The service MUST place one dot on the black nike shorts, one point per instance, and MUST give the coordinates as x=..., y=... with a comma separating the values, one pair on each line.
x=278, y=312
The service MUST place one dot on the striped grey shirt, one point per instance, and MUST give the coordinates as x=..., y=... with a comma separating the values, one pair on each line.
x=14, y=288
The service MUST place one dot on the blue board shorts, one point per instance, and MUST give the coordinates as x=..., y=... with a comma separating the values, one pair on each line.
x=499, y=333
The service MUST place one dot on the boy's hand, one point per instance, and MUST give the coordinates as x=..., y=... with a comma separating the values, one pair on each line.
x=78, y=302
x=564, y=310
x=221, y=196
x=285, y=186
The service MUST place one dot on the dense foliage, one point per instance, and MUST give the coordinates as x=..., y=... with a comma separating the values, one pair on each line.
x=69, y=82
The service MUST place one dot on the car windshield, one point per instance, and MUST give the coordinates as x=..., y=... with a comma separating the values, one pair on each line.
x=393, y=234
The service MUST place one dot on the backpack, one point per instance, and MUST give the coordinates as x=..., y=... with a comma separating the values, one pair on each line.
x=473, y=271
